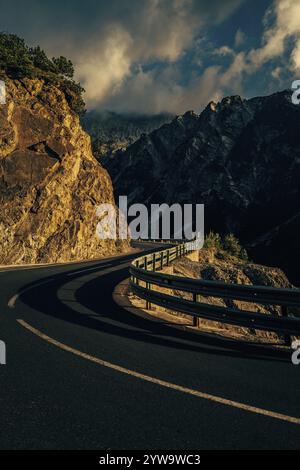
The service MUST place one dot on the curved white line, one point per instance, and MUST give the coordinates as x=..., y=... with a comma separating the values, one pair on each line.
x=162, y=383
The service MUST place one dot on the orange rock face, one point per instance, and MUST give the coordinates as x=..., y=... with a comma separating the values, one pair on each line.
x=50, y=182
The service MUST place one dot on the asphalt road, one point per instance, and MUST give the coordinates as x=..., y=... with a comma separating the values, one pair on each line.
x=52, y=397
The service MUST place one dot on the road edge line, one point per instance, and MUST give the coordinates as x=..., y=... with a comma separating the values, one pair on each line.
x=163, y=383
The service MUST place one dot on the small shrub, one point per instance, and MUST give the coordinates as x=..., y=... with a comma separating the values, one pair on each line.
x=232, y=246
x=213, y=240
x=228, y=245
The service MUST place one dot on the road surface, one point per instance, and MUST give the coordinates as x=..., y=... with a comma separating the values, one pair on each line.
x=83, y=373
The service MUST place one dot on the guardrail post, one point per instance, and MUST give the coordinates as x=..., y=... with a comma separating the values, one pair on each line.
x=195, y=319
x=148, y=304
x=145, y=263
x=168, y=257
x=153, y=262
x=161, y=260
x=285, y=313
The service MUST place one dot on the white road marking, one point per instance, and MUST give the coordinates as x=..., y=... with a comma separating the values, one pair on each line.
x=12, y=301
x=162, y=383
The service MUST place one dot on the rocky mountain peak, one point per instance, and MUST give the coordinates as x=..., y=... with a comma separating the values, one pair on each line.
x=190, y=115
x=239, y=157
x=212, y=106
x=230, y=101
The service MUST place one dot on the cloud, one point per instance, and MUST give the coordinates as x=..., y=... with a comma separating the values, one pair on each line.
x=224, y=51
x=240, y=38
x=158, y=55
x=286, y=26
x=295, y=57
x=155, y=92
x=114, y=44
x=232, y=77
x=102, y=68
x=280, y=49
x=276, y=73
x=159, y=31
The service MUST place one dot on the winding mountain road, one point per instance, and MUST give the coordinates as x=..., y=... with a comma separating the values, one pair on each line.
x=83, y=373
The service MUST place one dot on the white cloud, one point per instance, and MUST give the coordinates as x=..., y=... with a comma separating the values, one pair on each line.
x=295, y=57
x=113, y=44
x=153, y=92
x=160, y=30
x=286, y=14
x=232, y=77
x=103, y=70
x=276, y=73
x=282, y=30
x=224, y=51
x=240, y=38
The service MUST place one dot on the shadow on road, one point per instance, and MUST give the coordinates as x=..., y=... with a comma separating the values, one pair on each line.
x=106, y=316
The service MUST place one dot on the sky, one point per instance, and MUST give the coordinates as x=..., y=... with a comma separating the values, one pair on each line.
x=151, y=56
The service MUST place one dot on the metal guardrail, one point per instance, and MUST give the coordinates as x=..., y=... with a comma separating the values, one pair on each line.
x=145, y=269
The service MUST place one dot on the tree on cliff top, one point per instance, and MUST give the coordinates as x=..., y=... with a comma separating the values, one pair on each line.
x=18, y=60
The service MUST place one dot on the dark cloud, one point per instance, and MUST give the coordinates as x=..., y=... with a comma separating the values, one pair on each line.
x=110, y=42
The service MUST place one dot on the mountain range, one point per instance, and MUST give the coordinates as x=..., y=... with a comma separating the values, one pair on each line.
x=239, y=157
x=112, y=132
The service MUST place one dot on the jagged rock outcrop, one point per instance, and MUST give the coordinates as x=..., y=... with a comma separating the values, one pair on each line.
x=241, y=158
x=50, y=183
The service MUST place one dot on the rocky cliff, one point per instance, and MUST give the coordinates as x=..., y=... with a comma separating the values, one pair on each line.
x=50, y=183
x=241, y=158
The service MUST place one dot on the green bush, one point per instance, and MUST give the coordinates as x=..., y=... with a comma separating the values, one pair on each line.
x=17, y=60
x=228, y=245
x=213, y=240
x=232, y=246
x=64, y=66
x=73, y=92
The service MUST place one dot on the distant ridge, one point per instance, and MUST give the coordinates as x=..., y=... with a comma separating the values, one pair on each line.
x=239, y=157
x=111, y=131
